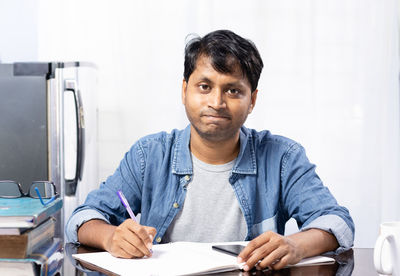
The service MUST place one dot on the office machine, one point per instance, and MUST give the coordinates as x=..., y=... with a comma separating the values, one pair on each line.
x=48, y=128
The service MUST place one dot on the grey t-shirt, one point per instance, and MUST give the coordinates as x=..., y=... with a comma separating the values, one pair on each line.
x=211, y=211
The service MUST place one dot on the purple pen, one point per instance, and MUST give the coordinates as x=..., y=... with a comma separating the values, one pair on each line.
x=128, y=208
x=126, y=204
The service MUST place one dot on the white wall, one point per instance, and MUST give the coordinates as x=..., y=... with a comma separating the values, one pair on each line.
x=330, y=80
x=18, y=30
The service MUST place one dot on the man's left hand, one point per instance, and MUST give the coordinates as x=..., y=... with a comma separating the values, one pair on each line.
x=276, y=251
x=272, y=250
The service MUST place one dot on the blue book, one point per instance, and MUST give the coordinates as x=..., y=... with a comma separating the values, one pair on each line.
x=45, y=261
x=25, y=212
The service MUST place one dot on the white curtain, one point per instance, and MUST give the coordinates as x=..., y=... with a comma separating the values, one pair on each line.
x=330, y=81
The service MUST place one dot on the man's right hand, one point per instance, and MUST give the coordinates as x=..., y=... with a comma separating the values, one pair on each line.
x=128, y=240
x=131, y=240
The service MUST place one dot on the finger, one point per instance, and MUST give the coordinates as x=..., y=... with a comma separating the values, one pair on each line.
x=260, y=253
x=120, y=253
x=140, y=231
x=131, y=250
x=119, y=250
x=281, y=263
x=273, y=258
x=126, y=232
x=136, y=244
x=253, y=245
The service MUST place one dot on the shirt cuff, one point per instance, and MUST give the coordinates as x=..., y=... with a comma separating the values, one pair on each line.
x=77, y=219
x=338, y=227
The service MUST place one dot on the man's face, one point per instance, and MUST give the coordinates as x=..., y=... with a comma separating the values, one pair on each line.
x=217, y=104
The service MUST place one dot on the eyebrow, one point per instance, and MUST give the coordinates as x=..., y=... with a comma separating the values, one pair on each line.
x=205, y=79
x=230, y=84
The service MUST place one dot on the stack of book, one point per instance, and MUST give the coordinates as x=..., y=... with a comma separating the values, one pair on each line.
x=27, y=242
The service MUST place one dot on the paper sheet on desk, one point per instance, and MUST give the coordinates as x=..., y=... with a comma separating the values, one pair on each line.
x=180, y=258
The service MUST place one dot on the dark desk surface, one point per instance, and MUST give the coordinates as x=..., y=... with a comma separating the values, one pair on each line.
x=357, y=262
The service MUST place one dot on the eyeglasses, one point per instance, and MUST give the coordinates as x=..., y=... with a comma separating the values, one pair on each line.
x=38, y=189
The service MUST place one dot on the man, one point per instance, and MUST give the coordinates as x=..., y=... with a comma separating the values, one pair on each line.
x=216, y=180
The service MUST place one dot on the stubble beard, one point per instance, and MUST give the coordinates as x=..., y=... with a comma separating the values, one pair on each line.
x=216, y=134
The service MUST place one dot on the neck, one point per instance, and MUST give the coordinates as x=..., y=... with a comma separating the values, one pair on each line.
x=214, y=152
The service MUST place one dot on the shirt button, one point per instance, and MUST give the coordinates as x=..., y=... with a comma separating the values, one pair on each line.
x=158, y=239
x=176, y=205
x=187, y=177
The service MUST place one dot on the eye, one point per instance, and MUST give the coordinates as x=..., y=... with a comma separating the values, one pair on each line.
x=233, y=91
x=204, y=87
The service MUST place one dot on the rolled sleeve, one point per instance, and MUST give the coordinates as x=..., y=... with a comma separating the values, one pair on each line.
x=77, y=219
x=104, y=203
x=337, y=226
x=311, y=203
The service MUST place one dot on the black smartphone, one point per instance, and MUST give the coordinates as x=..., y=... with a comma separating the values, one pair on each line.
x=231, y=249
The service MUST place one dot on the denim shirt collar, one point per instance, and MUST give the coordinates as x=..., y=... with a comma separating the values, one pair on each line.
x=245, y=162
x=182, y=159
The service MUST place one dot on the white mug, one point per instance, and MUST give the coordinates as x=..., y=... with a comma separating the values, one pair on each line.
x=387, y=249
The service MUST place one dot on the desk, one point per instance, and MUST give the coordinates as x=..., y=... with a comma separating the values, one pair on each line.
x=356, y=262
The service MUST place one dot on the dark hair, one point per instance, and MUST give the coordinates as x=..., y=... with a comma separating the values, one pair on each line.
x=221, y=46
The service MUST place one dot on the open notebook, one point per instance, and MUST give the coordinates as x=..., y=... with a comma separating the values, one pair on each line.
x=179, y=258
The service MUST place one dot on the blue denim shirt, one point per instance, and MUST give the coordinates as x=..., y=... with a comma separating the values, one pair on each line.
x=272, y=179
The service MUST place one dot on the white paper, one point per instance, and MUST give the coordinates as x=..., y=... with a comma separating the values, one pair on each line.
x=180, y=258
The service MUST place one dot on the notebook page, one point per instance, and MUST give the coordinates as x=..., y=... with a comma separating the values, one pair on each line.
x=181, y=258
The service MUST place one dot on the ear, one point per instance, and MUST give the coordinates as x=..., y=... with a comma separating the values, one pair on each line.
x=253, y=100
x=184, y=86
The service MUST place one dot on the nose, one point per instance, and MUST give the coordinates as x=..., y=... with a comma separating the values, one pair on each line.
x=216, y=99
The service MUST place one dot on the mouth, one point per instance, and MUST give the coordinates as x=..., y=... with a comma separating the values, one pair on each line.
x=216, y=115
x=216, y=118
